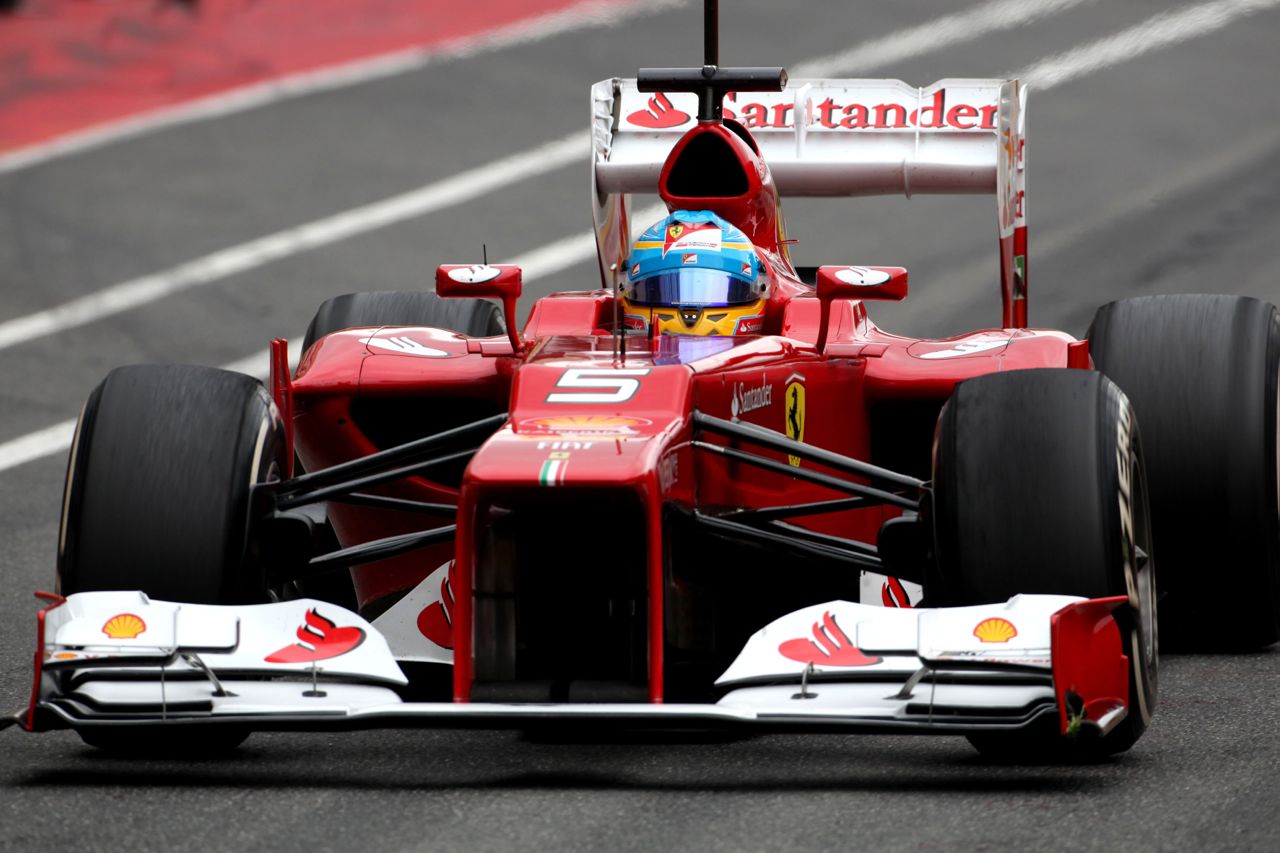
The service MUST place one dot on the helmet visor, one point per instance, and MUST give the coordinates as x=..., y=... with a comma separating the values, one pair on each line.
x=693, y=287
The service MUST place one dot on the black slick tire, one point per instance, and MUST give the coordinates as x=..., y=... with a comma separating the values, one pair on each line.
x=1201, y=371
x=158, y=485
x=1039, y=488
x=473, y=317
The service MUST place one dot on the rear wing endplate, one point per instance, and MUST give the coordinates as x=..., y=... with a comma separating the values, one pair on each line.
x=832, y=138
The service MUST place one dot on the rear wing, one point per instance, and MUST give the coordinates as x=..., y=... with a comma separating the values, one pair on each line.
x=832, y=138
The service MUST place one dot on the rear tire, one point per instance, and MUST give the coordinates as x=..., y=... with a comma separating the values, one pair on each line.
x=1032, y=495
x=474, y=317
x=1202, y=372
x=158, y=485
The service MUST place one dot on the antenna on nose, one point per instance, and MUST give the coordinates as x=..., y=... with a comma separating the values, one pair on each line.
x=711, y=32
x=710, y=82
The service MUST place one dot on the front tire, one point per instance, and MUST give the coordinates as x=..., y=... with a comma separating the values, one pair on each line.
x=1039, y=487
x=158, y=485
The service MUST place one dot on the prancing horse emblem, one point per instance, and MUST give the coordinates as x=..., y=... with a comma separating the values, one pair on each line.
x=795, y=414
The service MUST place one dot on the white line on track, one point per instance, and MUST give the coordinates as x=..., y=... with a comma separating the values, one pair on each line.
x=458, y=189
x=547, y=260
x=956, y=28
x=1161, y=31
x=913, y=41
x=979, y=280
x=585, y=15
x=57, y=438
x=37, y=445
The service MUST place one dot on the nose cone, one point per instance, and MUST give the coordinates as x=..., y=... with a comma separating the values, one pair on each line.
x=584, y=419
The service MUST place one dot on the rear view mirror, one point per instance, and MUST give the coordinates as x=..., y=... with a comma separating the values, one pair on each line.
x=856, y=283
x=484, y=281
x=862, y=283
x=497, y=281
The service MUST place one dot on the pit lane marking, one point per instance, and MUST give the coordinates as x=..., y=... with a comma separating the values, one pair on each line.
x=968, y=283
x=547, y=260
x=589, y=14
x=458, y=189
x=1159, y=31
x=945, y=31
x=57, y=438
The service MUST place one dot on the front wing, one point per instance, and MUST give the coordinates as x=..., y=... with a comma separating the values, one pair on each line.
x=120, y=659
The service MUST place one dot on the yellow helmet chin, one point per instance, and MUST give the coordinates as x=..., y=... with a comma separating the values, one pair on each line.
x=724, y=320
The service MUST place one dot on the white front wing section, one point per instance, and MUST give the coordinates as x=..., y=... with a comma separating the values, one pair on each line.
x=307, y=664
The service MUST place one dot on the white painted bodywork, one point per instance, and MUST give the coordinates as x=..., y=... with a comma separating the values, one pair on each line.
x=400, y=623
x=211, y=664
x=236, y=639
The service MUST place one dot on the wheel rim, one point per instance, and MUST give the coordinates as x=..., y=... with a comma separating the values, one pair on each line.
x=1142, y=593
x=1144, y=565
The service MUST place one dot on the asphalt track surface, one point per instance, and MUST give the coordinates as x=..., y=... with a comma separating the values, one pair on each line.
x=1155, y=173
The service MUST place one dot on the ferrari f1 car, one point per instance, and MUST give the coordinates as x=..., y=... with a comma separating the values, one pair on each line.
x=806, y=524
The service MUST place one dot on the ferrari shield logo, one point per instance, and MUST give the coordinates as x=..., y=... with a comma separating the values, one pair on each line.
x=673, y=234
x=688, y=236
x=795, y=415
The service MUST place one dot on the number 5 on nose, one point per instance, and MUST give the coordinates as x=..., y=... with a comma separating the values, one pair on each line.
x=619, y=384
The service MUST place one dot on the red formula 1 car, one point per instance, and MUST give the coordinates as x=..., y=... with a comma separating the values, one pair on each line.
x=446, y=519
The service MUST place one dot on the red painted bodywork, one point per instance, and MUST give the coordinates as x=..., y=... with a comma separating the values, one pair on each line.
x=52, y=600
x=859, y=368
x=756, y=209
x=1089, y=658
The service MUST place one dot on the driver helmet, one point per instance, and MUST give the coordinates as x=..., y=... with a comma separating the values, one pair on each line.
x=693, y=273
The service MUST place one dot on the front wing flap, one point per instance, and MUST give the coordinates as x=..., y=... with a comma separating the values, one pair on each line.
x=121, y=659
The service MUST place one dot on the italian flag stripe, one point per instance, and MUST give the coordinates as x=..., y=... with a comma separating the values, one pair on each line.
x=552, y=473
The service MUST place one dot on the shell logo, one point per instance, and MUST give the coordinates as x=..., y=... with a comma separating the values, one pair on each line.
x=124, y=626
x=602, y=425
x=995, y=630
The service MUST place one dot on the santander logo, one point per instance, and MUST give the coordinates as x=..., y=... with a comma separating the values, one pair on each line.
x=830, y=646
x=318, y=639
x=839, y=111
x=661, y=114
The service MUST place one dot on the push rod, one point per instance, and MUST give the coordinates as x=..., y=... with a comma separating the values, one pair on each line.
x=769, y=513
x=770, y=537
x=399, y=504
x=380, y=549
x=812, y=476
x=384, y=459
x=310, y=496
x=772, y=440
x=822, y=538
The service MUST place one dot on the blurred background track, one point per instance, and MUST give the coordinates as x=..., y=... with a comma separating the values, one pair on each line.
x=72, y=64
x=1152, y=152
